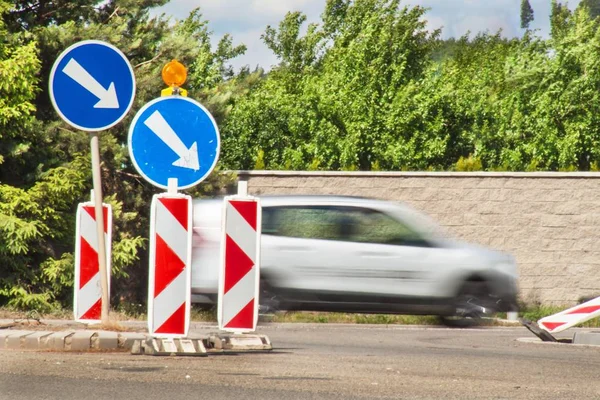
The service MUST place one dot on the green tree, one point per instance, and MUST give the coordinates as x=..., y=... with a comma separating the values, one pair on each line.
x=593, y=7
x=46, y=169
x=326, y=105
x=526, y=14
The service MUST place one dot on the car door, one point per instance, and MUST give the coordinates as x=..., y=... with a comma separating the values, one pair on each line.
x=300, y=251
x=388, y=258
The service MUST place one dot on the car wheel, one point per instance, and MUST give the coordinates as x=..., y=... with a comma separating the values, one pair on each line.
x=471, y=306
x=269, y=303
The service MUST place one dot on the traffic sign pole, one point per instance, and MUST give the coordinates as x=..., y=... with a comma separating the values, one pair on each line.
x=97, y=182
x=92, y=87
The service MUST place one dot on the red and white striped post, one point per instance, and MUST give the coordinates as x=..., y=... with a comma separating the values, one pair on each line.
x=87, y=299
x=169, y=291
x=240, y=264
x=570, y=317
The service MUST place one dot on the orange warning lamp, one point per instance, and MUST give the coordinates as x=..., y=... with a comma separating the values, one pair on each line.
x=174, y=73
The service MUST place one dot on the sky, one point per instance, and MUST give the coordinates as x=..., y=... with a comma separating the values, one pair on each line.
x=246, y=20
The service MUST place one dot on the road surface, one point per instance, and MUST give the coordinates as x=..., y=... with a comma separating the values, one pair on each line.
x=314, y=361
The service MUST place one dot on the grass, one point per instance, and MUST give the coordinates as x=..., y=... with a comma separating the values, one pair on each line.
x=342, y=318
x=532, y=313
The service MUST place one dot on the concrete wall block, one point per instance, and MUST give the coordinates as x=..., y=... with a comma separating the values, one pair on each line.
x=451, y=219
x=403, y=182
x=477, y=194
x=263, y=181
x=570, y=207
x=491, y=182
x=564, y=220
x=586, y=194
x=532, y=207
x=487, y=208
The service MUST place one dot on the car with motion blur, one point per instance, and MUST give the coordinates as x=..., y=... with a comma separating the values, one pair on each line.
x=359, y=255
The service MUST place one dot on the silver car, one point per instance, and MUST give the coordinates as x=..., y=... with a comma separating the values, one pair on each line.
x=348, y=254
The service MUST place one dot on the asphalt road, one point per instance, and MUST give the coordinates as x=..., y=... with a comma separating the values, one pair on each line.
x=323, y=362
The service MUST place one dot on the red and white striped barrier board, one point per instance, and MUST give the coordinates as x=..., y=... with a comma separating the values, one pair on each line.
x=87, y=304
x=571, y=317
x=240, y=260
x=170, y=265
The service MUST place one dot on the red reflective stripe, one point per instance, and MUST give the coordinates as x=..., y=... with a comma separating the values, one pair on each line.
x=175, y=323
x=179, y=209
x=94, y=312
x=244, y=319
x=237, y=264
x=88, y=264
x=248, y=210
x=167, y=266
x=552, y=325
x=585, y=310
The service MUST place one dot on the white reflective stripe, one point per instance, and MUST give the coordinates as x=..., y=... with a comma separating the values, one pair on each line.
x=170, y=230
x=88, y=229
x=239, y=296
x=568, y=320
x=89, y=295
x=168, y=301
x=241, y=232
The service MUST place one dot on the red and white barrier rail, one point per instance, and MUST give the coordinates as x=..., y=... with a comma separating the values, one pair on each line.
x=87, y=304
x=240, y=260
x=571, y=317
x=169, y=289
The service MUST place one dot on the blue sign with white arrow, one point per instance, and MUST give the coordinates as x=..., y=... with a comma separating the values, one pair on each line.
x=92, y=85
x=174, y=137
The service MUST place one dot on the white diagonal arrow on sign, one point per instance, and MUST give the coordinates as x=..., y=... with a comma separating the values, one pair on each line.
x=188, y=158
x=108, y=97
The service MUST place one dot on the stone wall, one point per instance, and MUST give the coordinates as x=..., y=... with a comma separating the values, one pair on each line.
x=549, y=221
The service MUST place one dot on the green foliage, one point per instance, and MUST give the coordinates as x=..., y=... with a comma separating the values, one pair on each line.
x=592, y=6
x=377, y=92
x=366, y=88
x=526, y=14
x=468, y=164
x=45, y=164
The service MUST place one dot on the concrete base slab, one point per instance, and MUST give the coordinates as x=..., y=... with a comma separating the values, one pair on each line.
x=169, y=347
x=588, y=338
x=5, y=334
x=127, y=340
x=16, y=340
x=79, y=341
x=238, y=342
x=105, y=340
x=56, y=341
x=37, y=340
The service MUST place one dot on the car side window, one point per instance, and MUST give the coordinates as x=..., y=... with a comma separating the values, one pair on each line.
x=377, y=227
x=351, y=224
x=308, y=222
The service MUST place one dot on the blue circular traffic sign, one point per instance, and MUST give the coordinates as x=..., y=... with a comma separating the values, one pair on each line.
x=174, y=137
x=92, y=85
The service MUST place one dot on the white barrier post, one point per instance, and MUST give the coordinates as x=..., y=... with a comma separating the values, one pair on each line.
x=87, y=299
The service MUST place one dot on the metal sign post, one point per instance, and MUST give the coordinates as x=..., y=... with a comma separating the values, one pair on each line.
x=96, y=178
x=92, y=87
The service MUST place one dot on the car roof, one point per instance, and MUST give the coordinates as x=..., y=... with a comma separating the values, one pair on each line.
x=271, y=200
x=290, y=200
